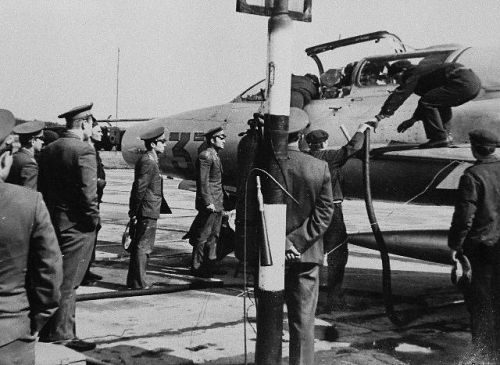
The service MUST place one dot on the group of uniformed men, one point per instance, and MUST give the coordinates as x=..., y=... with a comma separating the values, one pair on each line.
x=47, y=243
x=68, y=180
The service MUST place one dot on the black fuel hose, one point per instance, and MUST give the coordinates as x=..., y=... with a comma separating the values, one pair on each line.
x=167, y=289
x=379, y=238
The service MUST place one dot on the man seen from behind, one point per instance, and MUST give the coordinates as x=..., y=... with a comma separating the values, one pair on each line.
x=308, y=181
x=475, y=234
x=30, y=263
x=68, y=182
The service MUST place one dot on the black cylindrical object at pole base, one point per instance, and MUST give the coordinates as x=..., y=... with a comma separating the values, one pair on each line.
x=269, y=322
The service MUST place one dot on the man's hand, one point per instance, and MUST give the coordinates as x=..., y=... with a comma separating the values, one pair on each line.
x=364, y=126
x=292, y=254
x=453, y=254
x=373, y=123
x=211, y=207
x=406, y=124
x=5, y=165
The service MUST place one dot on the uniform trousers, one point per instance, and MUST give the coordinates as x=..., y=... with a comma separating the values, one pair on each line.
x=76, y=248
x=335, y=240
x=18, y=352
x=482, y=298
x=301, y=297
x=92, y=257
x=297, y=99
x=205, y=237
x=140, y=248
x=434, y=107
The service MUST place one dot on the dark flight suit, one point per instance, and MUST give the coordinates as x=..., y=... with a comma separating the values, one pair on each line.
x=206, y=226
x=440, y=87
x=67, y=180
x=145, y=203
x=30, y=272
x=308, y=181
x=475, y=229
x=335, y=237
x=303, y=91
x=24, y=170
x=101, y=183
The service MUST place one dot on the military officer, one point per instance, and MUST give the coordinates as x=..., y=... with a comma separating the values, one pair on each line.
x=205, y=230
x=475, y=233
x=30, y=263
x=335, y=237
x=308, y=181
x=68, y=181
x=441, y=86
x=146, y=200
x=24, y=169
x=96, y=137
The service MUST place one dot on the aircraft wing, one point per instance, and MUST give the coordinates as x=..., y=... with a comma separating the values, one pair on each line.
x=404, y=173
x=460, y=155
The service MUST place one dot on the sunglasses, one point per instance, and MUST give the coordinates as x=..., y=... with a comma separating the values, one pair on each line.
x=162, y=140
x=221, y=137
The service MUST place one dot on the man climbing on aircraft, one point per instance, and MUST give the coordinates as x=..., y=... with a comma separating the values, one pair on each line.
x=440, y=87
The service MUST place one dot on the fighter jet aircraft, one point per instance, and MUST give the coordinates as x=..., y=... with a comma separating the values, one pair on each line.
x=399, y=171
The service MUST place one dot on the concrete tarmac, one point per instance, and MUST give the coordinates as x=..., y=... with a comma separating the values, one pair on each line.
x=193, y=326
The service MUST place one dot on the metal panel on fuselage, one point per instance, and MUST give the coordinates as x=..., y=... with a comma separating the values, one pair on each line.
x=428, y=176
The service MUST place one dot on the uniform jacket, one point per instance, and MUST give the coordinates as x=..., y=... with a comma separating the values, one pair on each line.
x=308, y=181
x=147, y=190
x=30, y=263
x=68, y=182
x=476, y=219
x=338, y=158
x=24, y=170
x=209, y=189
x=421, y=79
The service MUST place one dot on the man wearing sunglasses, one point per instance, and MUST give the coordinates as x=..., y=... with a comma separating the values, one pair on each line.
x=146, y=203
x=24, y=170
x=205, y=230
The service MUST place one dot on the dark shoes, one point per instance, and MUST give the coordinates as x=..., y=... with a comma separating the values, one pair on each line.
x=218, y=271
x=90, y=278
x=208, y=270
x=79, y=345
x=147, y=287
x=201, y=273
x=436, y=143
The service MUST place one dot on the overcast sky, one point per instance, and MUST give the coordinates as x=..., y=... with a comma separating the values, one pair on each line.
x=186, y=54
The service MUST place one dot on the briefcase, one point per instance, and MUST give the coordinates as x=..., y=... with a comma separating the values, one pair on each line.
x=226, y=242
